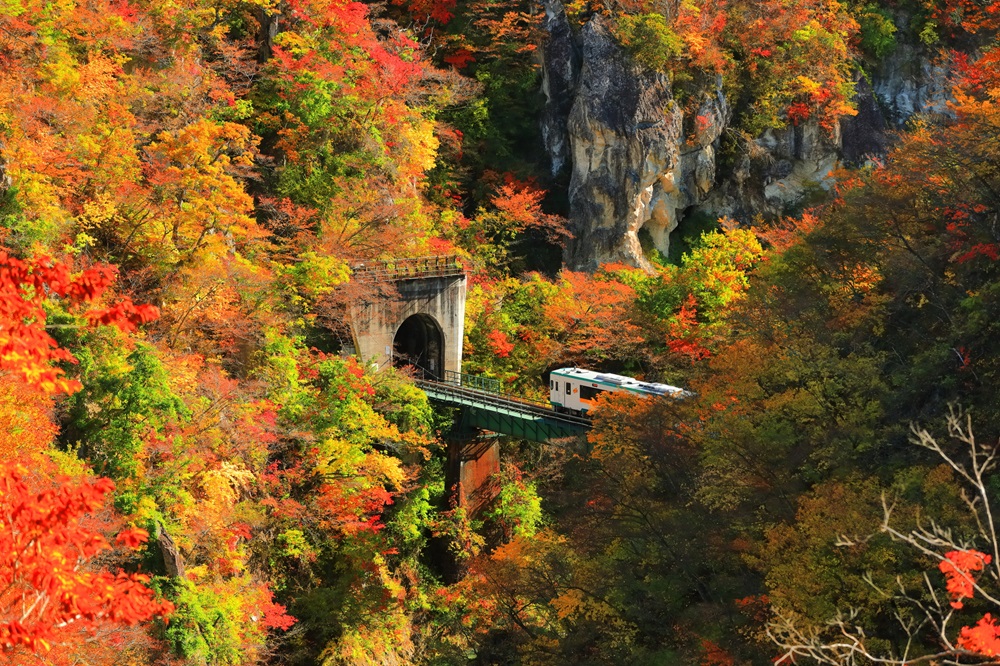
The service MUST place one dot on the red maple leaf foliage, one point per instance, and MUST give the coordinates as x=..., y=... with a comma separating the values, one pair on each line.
x=441, y=11
x=684, y=335
x=957, y=568
x=50, y=591
x=988, y=250
x=500, y=343
x=460, y=59
x=25, y=346
x=275, y=615
x=983, y=638
x=799, y=112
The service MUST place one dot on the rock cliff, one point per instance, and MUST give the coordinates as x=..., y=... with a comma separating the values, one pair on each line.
x=616, y=127
x=638, y=164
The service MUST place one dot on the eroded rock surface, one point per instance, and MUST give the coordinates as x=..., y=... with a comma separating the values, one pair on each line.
x=638, y=165
x=623, y=139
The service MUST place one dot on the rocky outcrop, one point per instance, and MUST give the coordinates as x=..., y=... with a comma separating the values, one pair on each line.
x=638, y=164
x=866, y=133
x=779, y=169
x=623, y=133
x=908, y=81
x=623, y=139
x=560, y=68
x=792, y=167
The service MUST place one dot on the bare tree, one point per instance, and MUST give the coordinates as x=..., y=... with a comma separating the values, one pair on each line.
x=927, y=618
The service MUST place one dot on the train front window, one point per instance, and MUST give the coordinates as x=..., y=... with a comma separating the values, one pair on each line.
x=568, y=388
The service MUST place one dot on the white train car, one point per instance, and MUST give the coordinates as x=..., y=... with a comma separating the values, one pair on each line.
x=575, y=389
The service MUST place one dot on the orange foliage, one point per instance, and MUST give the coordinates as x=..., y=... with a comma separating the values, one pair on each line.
x=50, y=593
x=970, y=16
x=700, y=26
x=984, y=638
x=500, y=343
x=521, y=203
x=26, y=427
x=786, y=232
x=588, y=315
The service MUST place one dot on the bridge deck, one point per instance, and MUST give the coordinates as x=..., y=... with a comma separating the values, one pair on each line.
x=505, y=414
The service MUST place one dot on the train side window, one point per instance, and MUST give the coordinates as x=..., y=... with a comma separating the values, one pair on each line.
x=569, y=389
x=589, y=392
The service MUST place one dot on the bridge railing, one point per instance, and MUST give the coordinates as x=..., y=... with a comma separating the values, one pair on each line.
x=473, y=381
x=522, y=405
x=410, y=268
x=490, y=385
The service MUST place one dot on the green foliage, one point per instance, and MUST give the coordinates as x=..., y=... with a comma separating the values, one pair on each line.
x=279, y=368
x=809, y=575
x=403, y=404
x=650, y=40
x=24, y=233
x=688, y=234
x=206, y=625
x=518, y=507
x=125, y=399
x=316, y=275
x=878, y=31
x=714, y=273
x=929, y=34
x=718, y=268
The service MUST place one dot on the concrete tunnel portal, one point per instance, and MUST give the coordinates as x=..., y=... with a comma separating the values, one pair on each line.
x=419, y=341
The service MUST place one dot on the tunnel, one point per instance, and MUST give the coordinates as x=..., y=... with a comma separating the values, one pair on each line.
x=419, y=342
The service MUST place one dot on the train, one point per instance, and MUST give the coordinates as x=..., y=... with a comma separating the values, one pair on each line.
x=574, y=390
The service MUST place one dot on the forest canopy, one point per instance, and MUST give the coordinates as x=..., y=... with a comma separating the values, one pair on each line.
x=198, y=469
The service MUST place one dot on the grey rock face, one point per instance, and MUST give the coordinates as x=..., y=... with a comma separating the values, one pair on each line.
x=637, y=163
x=867, y=133
x=908, y=82
x=561, y=65
x=780, y=169
x=624, y=133
x=623, y=139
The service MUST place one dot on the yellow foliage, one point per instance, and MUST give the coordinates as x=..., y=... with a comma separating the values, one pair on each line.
x=339, y=458
x=224, y=485
x=204, y=208
x=807, y=85
x=416, y=147
x=568, y=603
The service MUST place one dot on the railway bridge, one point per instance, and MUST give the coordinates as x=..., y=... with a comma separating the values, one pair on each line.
x=422, y=324
x=484, y=406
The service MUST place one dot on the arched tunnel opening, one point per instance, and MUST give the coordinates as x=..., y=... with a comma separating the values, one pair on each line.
x=419, y=341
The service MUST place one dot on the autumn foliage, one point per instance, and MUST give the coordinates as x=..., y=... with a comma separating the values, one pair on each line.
x=25, y=346
x=53, y=594
x=959, y=567
x=982, y=638
x=188, y=192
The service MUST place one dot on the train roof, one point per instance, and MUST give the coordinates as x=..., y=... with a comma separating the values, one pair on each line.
x=619, y=380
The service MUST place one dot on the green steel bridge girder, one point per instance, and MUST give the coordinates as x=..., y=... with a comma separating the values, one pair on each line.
x=531, y=428
x=480, y=410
